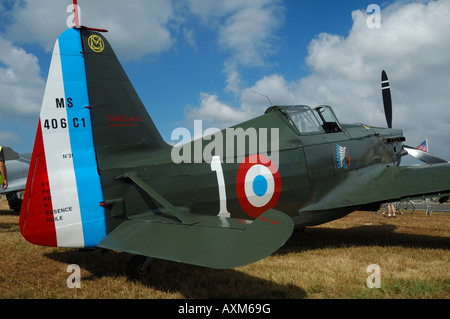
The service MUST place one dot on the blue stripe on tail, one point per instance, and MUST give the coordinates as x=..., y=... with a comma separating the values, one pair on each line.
x=79, y=124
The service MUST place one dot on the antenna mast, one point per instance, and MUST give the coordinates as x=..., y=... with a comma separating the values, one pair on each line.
x=271, y=104
x=75, y=11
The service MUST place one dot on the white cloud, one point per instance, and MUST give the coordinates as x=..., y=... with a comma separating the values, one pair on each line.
x=21, y=85
x=21, y=89
x=249, y=30
x=246, y=30
x=9, y=138
x=213, y=112
x=136, y=29
x=34, y=22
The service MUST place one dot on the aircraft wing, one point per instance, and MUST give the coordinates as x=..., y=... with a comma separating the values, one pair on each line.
x=17, y=169
x=10, y=154
x=378, y=184
x=210, y=241
x=15, y=185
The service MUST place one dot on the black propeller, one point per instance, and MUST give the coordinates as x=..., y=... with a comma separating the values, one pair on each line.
x=387, y=100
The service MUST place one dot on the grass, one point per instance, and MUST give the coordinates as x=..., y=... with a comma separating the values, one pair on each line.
x=323, y=262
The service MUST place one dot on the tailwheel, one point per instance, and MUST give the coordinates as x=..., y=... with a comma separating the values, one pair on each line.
x=138, y=267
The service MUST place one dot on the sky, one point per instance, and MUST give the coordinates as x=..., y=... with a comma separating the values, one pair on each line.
x=204, y=59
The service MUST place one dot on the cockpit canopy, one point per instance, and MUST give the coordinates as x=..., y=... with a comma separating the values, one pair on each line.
x=305, y=120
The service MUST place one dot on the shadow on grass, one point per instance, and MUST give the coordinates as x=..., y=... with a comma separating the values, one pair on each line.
x=188, y=280
x=9, y=212
x=374, y=235
x=8, y=226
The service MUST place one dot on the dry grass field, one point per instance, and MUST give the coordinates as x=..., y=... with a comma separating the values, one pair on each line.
x=324, y=262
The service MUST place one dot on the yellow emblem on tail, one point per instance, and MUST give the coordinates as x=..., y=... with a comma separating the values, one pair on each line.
x=96, y=43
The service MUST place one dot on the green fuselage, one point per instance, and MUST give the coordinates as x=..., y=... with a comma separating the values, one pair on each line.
x=308, y=164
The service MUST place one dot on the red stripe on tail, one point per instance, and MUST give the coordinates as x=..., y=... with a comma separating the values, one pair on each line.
x=36, y=217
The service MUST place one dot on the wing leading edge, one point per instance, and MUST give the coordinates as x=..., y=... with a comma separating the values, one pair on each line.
x=378, y=184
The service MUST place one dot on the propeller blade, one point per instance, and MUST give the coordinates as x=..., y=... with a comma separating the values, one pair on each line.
x=423, y=156
x=387, y=100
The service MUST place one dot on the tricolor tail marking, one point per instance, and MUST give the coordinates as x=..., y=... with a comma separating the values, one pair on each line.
x=61, y=204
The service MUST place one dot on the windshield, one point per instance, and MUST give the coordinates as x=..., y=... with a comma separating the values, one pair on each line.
x=304, y=119
x=326, y=114
x=329, y=120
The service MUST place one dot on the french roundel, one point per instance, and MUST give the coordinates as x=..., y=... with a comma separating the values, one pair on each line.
x=258, y=185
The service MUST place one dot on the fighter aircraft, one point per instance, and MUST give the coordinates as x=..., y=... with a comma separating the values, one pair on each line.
x=102, y=176
x=17, y=168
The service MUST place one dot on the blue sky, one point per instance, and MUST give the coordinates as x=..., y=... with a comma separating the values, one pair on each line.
x=199, y=59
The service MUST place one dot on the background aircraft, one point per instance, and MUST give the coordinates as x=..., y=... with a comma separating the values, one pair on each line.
x=17, y=166
x=102, y=176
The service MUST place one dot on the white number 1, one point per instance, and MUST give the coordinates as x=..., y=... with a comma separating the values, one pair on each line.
x=216, y=165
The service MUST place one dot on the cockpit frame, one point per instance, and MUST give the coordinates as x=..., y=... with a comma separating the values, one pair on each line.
x=307, y=121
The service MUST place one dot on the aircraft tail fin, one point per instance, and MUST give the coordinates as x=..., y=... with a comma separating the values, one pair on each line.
x=89, y=110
